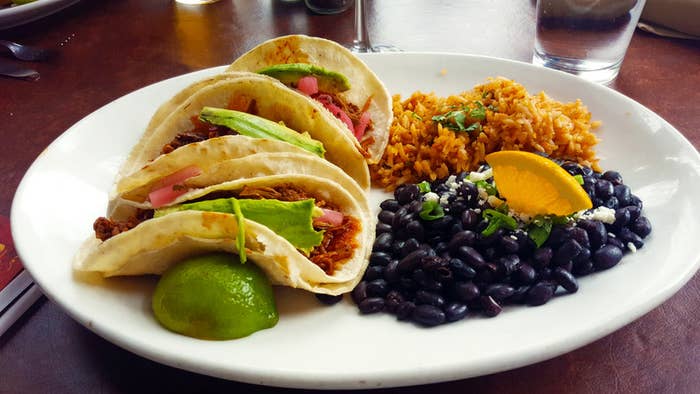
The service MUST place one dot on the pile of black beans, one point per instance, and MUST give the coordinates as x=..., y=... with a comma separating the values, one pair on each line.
x=438, y=271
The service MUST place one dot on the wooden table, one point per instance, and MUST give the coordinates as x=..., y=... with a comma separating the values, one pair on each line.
x=110, y=48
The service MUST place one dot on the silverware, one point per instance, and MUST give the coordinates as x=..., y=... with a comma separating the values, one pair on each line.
x=26, y=52
x=16, y=298
x=10, y=69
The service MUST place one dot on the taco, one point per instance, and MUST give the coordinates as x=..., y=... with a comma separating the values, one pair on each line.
x=249, y=104
x=217, y=160
x=333, y=76
x=304, y=231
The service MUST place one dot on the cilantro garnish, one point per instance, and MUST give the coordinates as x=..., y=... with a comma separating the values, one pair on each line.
x=458, y=118
x=431, y=210
x=424, y=187
x=489, y=188
x=497, y=220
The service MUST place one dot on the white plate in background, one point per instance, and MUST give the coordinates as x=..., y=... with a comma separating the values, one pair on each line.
x=25, y=13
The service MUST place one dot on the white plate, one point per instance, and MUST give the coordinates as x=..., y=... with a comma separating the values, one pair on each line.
x=25, y=13
x=334, y=347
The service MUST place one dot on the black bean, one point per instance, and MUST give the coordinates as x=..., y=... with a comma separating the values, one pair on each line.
x=441, y=247
x=613, y=177
x=487, y=273
x=359, y=293
x=408, y=246
x=489, y=306
x=572, y=168
x=583, y=268
x=611, y=203
x=469, y=192
x=462, y=238
x=441, y=223
x=391, y=274
x=470, y=219
x=604, y=189
x=390, y=205
x=411, y=261
x=567, y=252
x=386, y=217
x=374, y=272
x=488, y=240
x=641, y=226
x=428, y=315
x=509, y=243
x=466, y=291
x=584, y=255
x=377, y=288
x=499, y=291
x=429, y=298
x=383, y=242
x=406, y=193
x=540, y=293
x=519, y=294
x=622, y=217
x=414, y=229
x=597, y=233
x=383, y=228
x=581, y=236
x=461, y=270
x=542, y=256
x=379, y=258
x=401, y=218
x=623, y=195
x=407, y=283
x=471, y=256
x=606, y=257
x=371, y=305
x=635, y=212
x=565, y=279
x=405, y=310
x=628, y=236
x=328, y=299
x=525, y=274
x=392, y=301
x=508, y=263
x=457, y=207
x=455, y=311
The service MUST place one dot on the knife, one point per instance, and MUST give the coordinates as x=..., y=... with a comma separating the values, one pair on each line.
x=10, y=69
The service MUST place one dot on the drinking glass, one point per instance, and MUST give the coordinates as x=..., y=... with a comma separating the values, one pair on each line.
x=361, y=42
x=584, y=37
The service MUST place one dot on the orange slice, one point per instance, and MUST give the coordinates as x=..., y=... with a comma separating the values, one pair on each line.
x=534, y=185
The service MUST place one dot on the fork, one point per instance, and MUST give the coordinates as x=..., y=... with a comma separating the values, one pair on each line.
x=26, y=52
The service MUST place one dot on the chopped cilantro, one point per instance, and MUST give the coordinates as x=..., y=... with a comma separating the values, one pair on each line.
x=497, y=220
x=490, y=189
x=431, y=210
x=479, y=112
x=579, y=179
x=415, y=115
x=424, y=187
x=457, y=119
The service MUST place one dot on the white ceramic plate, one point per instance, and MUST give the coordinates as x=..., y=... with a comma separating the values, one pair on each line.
x=25, y=13
x=314, y=346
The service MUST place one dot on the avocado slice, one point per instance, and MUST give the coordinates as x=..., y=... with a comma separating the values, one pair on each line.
x=291, y=220
x=328, y=81
x=257, y=127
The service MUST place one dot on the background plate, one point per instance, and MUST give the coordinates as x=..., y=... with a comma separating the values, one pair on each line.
x=25, y=13
x=334, y=347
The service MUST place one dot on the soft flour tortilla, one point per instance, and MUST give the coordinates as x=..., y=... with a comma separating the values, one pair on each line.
x=156, y=244
x=331, y=56
x=225, y=159
x=273, y=100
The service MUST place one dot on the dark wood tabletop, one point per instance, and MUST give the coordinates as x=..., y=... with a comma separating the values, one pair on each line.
x=109, y=48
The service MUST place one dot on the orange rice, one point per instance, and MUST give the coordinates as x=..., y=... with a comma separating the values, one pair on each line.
x=422, y=149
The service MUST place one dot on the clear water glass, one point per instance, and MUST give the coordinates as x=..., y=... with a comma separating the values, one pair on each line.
x=584, y=37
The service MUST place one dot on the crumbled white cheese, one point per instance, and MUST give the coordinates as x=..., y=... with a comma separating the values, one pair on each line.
x=445, y=199
x=480, y=176
x=482, y=194
x=631, y=247
x=513, y=237
x=431, y=196
x=601, y=214
x=611, y=235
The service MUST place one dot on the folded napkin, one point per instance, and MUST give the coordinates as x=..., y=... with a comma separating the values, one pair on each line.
x=672, y=18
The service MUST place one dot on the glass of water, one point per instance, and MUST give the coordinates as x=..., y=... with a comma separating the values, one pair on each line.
x=583, y=37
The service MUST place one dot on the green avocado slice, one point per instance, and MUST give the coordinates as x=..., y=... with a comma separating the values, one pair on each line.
x=291, y=220
x=258, y=127
x=290, y=73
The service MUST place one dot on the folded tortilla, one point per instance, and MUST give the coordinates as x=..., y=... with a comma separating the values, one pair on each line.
x=364, y=83
x=223, y=159
x=272, y=100
x=155, y=244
